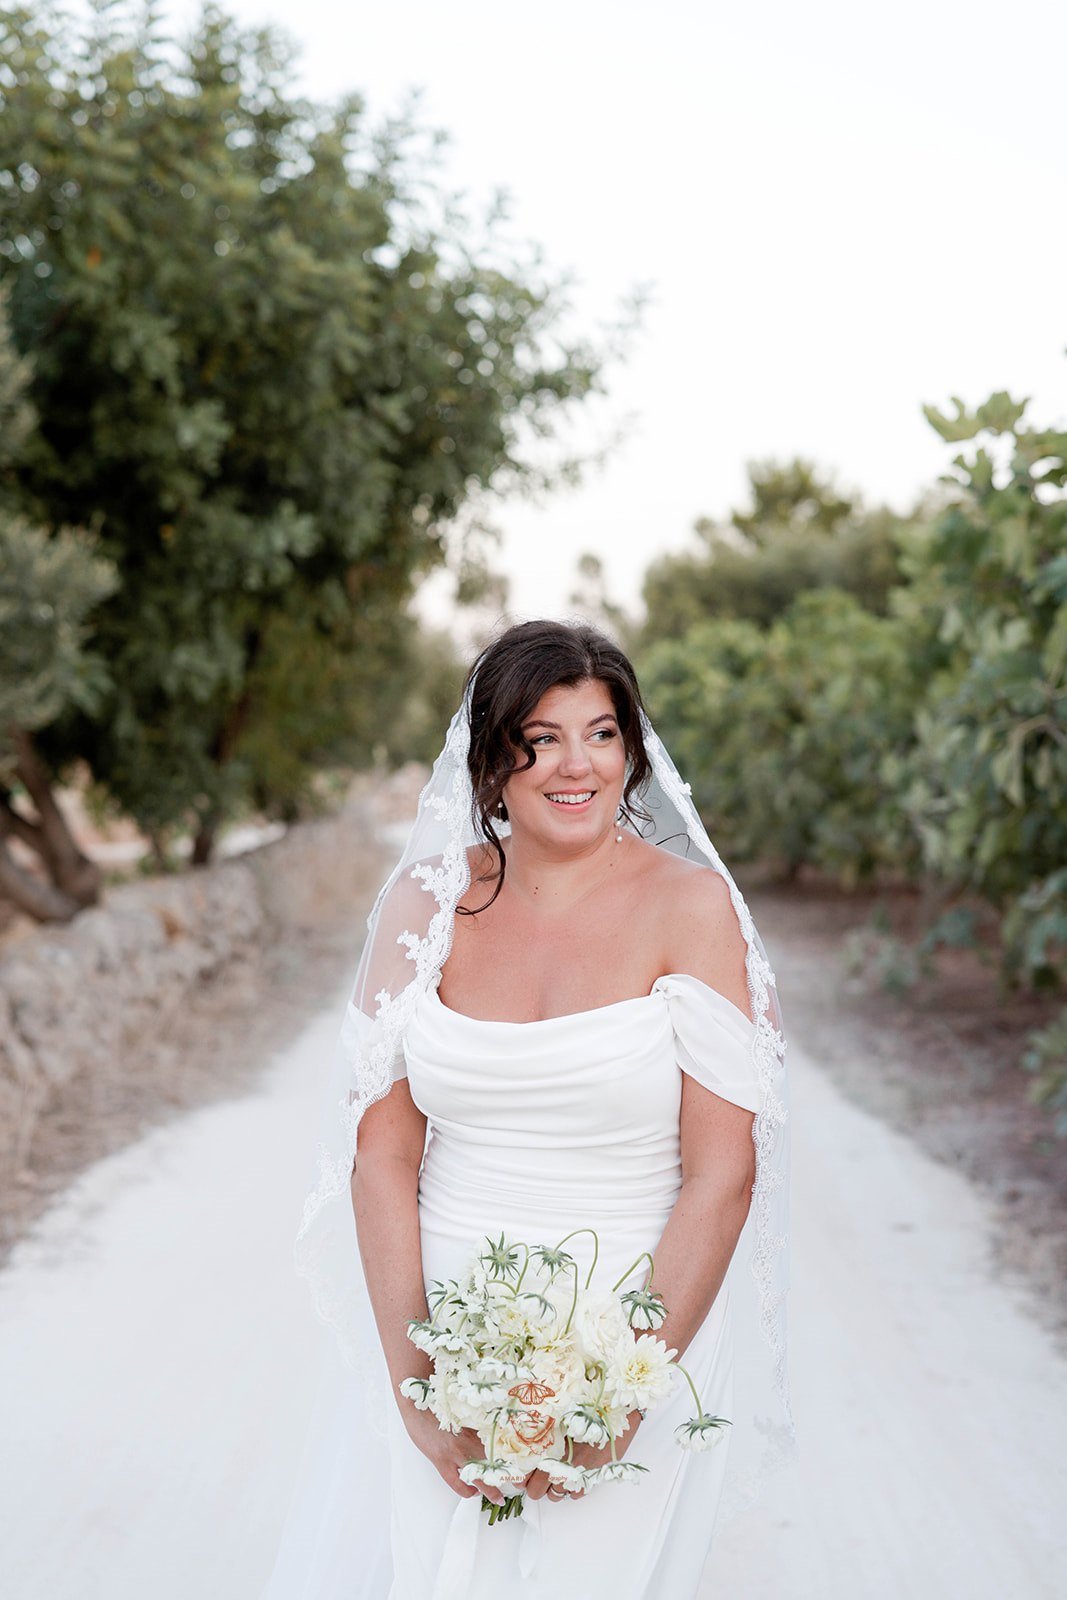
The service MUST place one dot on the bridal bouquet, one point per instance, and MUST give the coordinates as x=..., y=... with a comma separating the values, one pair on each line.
x=536, y=1362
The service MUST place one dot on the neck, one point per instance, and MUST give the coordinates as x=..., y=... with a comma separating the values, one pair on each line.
x=540, y=874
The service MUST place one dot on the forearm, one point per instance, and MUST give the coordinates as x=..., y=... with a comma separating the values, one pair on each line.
x=695, y=1250
x=385, y=1202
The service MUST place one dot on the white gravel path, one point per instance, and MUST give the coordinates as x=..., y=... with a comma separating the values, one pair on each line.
x=154, y=1388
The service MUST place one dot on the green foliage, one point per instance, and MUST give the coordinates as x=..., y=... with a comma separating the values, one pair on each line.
x=985, y=785
x=591, y=600
x=717, y=710
x=432, y=682
x=782, y=732
x=794, y=496
x=877, y=955
x=1046, y=1057
x=48, y=587
x=262, y=374
x=801, y=533
x=917, y=726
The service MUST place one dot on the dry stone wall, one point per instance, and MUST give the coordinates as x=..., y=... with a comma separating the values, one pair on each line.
x=93, y=991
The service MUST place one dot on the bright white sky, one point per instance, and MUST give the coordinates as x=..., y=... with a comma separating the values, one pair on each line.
x=845, y=211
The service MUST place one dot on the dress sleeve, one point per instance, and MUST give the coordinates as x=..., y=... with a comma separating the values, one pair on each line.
x=357, y=1026
x=713, y=1039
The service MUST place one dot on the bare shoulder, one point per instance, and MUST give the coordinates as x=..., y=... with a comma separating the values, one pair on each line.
x=685, y=893
x=697, y=925
x=667, y=875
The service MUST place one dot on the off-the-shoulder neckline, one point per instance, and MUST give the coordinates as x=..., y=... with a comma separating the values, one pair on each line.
x=594, y=1011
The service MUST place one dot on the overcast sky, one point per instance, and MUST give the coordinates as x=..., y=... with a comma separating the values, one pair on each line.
x=845, y=212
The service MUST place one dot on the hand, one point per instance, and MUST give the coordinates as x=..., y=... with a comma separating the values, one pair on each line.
x=450, y=1451
x=585, y=1455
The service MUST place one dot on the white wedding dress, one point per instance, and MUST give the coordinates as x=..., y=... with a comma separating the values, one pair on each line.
x=535, y=1129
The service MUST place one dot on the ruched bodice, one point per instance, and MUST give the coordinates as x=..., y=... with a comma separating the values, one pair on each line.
x=582, y=1108
x=579, y=1111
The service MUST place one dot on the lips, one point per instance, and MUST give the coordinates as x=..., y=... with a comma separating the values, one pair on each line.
x=572, y=805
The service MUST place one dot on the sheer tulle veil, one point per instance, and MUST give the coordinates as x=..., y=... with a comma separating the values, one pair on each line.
x=409, y=934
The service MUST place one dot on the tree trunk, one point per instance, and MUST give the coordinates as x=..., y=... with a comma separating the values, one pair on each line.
x=71, y=871
x=225, y=743
x=204, y=841
x=43, y=901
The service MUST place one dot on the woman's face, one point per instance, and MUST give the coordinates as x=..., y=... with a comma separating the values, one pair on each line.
x=581, y=757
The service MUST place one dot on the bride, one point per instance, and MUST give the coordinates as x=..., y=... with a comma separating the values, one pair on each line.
x=563, y=1018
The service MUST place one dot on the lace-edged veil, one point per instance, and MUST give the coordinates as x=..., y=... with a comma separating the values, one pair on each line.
x=409, y=935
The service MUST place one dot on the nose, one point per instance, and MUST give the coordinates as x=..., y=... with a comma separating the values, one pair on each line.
x=574, y=761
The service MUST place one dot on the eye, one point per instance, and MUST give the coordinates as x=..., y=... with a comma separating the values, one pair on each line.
x=608, y=733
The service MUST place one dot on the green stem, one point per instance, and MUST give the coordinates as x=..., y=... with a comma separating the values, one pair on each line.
x=596, y=1248
x=574, y=1302
x=689, y=1381
x=494, y=1506
x=525, y=1264
x=644, y=1256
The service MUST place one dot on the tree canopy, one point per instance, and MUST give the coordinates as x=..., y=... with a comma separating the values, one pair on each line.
x=800, y=532
x=266, y=377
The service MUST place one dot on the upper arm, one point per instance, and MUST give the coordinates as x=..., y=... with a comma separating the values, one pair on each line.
x=704, y=939
x=392, y=1129
x=716, y=1137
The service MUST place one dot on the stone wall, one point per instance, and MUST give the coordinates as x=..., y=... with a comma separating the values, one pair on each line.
x=93, y=991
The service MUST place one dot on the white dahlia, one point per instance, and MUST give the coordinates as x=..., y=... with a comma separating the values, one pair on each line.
x=639, y=1371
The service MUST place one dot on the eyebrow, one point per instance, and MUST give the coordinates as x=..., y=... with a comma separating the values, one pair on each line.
x=539, y=722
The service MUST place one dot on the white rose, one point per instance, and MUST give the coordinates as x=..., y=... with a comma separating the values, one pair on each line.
x=599, y=1324
x=559, y=1365
x=511, y=1448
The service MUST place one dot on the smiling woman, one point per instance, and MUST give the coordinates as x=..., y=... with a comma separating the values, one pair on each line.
x=561, y=752
x=563, y=1019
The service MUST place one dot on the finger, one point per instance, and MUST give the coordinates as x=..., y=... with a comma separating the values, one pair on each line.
x=450, y=1473
x=537, y=1484
x=495, y=1495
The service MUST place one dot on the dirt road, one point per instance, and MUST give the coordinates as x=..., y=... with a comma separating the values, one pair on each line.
x=155, y=1384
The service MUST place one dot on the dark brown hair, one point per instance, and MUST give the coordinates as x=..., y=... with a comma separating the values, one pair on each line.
x=509, y=678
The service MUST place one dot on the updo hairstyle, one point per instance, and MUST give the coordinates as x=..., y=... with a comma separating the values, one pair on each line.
x=509, y=678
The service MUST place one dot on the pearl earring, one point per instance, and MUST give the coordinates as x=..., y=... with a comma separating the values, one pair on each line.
x=618, y=824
